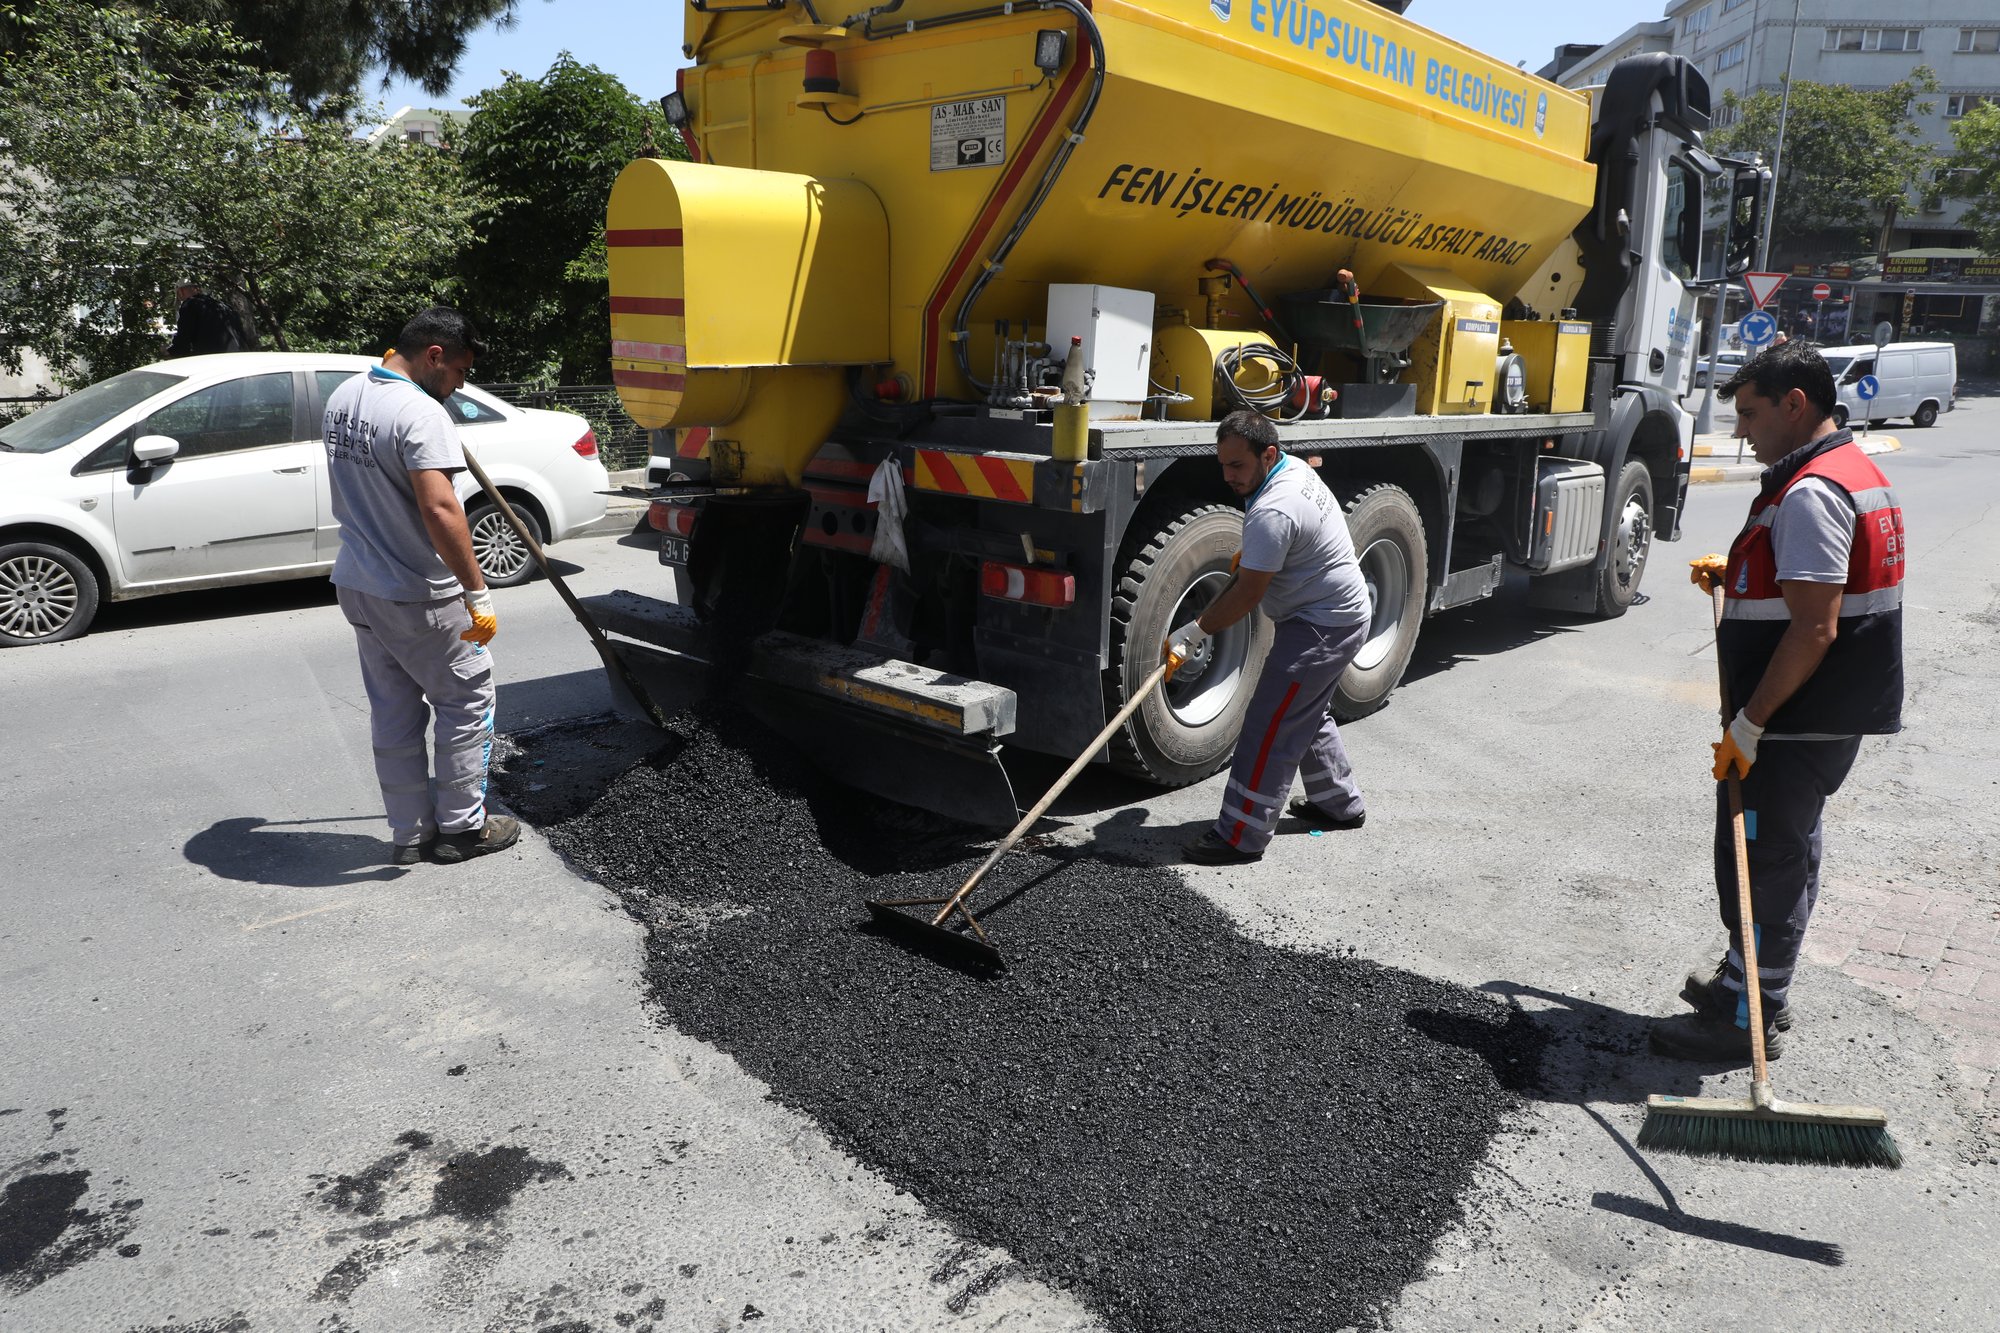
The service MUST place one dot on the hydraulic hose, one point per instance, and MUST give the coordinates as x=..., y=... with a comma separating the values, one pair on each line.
x=1276, y=402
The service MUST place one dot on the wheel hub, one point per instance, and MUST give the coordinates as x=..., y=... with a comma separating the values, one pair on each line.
x=1386, y=572
x=38, y=597
x=1204, y=686
x=1635, y=531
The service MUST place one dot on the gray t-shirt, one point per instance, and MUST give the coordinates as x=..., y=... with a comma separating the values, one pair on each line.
x=378, y=428
x=1294, y=530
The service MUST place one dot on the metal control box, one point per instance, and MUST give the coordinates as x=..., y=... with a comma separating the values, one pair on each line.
x=1568, y=518
x=1116, y=325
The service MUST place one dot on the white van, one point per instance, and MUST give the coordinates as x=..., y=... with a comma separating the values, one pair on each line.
x=1919, y=380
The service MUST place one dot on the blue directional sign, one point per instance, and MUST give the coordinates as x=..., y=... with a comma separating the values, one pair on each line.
x=1757, y=329
x=1867, y=387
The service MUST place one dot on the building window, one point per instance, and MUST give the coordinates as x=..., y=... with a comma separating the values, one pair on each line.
x=1725, y=115
x=1697, y=22
x=1732, y=55
x=1979, y=39
x=1958, y=104
x=1728, y=5
x=1874, y=39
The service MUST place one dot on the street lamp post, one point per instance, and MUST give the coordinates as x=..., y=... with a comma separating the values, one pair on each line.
x=1778, y=154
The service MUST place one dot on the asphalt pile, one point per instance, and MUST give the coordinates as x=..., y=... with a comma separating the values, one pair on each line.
x=1187, y=1128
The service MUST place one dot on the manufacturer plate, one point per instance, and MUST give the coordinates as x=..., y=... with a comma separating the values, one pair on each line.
x=969, y=134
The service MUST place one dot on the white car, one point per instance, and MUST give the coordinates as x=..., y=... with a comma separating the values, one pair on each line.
x=208, y=471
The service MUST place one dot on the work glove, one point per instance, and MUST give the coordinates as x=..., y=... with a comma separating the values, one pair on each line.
x=1706, y=573
x=484, y=623
x=1182, y=646
x=1737, y=749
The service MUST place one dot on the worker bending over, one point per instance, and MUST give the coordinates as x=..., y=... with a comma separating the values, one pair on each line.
x=1298, y=565
x=409, y=585
x=1812, y=649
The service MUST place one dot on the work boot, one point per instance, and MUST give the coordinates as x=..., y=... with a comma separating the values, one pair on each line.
x=497, y=834
x=1709, y=1040
x=1301, y=808
x=1707, y=995
x=1210, y=850
x=409, y=853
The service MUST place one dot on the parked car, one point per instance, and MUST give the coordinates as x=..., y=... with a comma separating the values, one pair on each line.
x=208, y=471
x=1914, y=380
x=1726, y=363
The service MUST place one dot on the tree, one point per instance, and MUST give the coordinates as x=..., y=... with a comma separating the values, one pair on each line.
x=545, y=153
x=1975, y=171
x=321, y=50
x=142, y=150
x=1852, y=156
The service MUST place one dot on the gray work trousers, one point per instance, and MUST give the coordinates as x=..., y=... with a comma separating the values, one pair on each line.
x=421, y=676
x=1288, y=731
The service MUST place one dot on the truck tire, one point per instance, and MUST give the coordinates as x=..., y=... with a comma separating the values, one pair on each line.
x=1631, y=541
x=1389, y=540
x=47, y=594
x=1188, y=728
x=1925, y=418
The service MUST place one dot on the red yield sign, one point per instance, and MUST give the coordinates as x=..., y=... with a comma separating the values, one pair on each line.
x=1763, y=286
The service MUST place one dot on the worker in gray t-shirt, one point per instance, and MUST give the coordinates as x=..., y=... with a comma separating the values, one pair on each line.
x=1298, y=566
x=410, y=587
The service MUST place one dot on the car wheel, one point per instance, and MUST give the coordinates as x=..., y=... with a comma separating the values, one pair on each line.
x=503, y=559
x=1840, y=416
x=1926, y=416
x=47, y=594
x=1876, y=423
x=1394, y=556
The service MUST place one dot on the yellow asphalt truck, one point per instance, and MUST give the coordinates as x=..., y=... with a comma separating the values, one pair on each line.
x=949, y=301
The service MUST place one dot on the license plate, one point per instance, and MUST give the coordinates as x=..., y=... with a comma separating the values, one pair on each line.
x=673, y=550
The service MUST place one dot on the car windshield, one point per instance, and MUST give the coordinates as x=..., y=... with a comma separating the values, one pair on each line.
x=1838, y=365
x=69, y=419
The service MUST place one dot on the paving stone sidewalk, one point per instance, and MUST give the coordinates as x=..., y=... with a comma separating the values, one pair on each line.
x=1933, y=952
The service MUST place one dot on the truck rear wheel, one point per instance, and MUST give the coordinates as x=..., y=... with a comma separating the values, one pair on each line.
x=1388, y=537
x=1188, y=728
x=1631, y=541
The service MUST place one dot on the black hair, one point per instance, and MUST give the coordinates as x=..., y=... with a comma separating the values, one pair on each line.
x=1253, y=428
x=1783, y=367
x=440, y=326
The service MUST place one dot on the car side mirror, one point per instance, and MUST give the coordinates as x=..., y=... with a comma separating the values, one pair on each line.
x=154, y=449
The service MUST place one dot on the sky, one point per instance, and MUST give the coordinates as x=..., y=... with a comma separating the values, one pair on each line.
x=640, y=40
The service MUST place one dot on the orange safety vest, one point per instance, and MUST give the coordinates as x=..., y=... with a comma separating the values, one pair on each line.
x=1858, y=688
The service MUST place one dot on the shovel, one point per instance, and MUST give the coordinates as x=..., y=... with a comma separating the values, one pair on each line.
x=973, y=945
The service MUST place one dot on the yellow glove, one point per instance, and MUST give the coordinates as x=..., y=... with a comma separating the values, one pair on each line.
x=1182, y=646
x=1235, y=562
x=1737, y=750
x=1706, y=573
x=484, y=623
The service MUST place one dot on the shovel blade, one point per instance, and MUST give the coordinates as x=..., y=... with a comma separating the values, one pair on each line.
x=955, y=948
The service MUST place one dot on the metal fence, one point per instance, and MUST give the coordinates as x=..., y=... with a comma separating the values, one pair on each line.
x=622, y=442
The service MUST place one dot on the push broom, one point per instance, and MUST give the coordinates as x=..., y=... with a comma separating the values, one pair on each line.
x=1763, y=1128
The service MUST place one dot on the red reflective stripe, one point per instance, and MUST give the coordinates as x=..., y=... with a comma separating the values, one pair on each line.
x=943, y=473
x=649, y=379
x=1263, y=756
x=648, y=305
x=1001, y=478
x=693, y=442
x=646, y=236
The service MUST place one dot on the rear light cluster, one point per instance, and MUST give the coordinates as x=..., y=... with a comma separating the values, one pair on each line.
x=1026, y=583
x=587, y=446
x=676, y=520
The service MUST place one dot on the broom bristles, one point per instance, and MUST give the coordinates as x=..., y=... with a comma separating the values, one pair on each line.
x=1751, y=1138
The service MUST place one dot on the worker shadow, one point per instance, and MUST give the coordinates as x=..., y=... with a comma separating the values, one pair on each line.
x=284, y=854
x=1594, y=1053
x=538, y=701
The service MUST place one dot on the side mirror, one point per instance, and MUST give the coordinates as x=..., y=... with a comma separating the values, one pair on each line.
x=1746, y=219
x=154, y=448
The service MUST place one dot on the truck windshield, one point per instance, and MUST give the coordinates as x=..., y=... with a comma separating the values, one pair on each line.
x=1838, y=365
x=69, y=419
x=1680, y=229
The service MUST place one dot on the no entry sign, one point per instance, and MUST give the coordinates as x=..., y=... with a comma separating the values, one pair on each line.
x=1821, y=291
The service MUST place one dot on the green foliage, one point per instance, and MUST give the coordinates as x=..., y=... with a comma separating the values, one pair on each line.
x=319, y=50
x=545, y=152
x=1850, y=154
x=144, y=149
x=1975, y=171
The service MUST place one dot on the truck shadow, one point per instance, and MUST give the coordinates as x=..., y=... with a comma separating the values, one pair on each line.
x=1487, y=629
